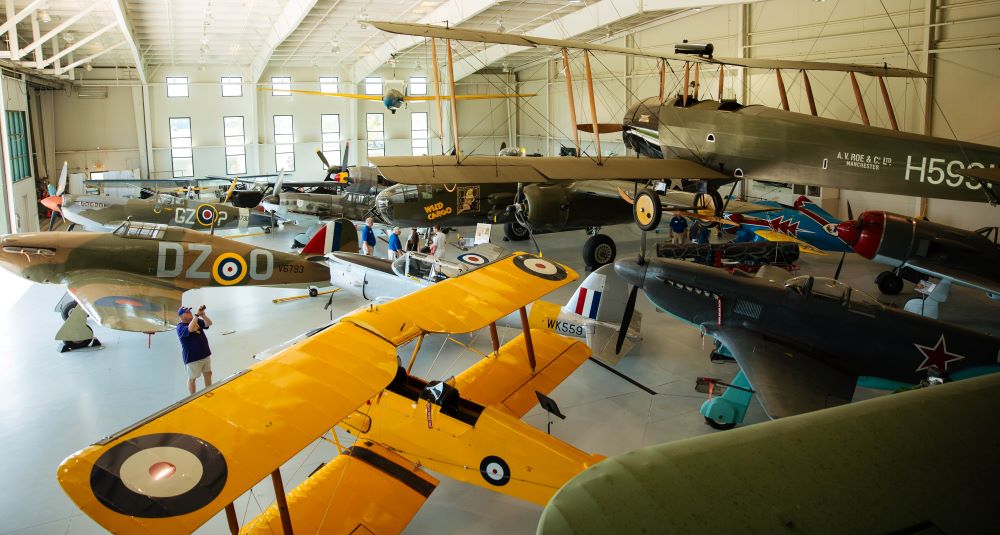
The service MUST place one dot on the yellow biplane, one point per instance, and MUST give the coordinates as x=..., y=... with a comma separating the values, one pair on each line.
x=176, y=469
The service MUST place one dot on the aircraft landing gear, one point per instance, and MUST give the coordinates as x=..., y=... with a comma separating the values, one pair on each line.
x=598, y=250
x=727, y=410
x=647, y=210
x=75, y=333
x=889, y=283
x=514, y=231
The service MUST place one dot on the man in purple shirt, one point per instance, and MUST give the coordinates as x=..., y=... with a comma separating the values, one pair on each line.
x=195, y=352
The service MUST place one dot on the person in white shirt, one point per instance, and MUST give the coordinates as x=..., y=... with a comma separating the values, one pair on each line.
x=439, y=244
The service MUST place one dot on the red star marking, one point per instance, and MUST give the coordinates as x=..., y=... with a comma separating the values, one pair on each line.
x=937, y=356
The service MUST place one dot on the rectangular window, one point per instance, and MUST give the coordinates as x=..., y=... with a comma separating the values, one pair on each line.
x=418, y=85
x=281, y=86
x=177, y=86
x=17, y=137
x=236, y=151
x=373, y=85
x=329, y=84
x=418, y=133
x=232, y=86
x=181, y=158
x=376, y=134
x=284, y=143
x=330, y=126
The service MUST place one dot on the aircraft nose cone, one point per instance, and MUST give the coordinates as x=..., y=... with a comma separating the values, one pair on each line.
x=631, y=271
x=849, y=231
x=53, y=202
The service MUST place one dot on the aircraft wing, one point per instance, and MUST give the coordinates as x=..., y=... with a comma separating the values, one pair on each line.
x=140, y=182
x=787, y=380
x=771, y=235
x=176, y=469
x=942, y=270
x=473, y=97
x=365, y=489
x=354, y=96
x=126, y=302
x=508, y=169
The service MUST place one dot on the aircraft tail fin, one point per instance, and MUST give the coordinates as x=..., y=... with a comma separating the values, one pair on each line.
x=817, y=212
x=336, y=235
x=597, y=297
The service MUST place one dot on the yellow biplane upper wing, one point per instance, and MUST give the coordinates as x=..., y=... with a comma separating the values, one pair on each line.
x=354, y=96
x=484, y=96
x=480, y=36
x=176, y=469
x=126, y=302
x=509, y=169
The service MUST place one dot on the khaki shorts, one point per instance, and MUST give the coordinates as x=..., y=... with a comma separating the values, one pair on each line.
x=197, y=368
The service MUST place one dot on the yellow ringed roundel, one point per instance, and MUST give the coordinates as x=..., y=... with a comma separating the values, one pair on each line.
x=229, y=269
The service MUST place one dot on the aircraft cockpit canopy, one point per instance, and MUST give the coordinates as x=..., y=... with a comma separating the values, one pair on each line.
x=834, y=290
x=424, y=266
x=142, y=231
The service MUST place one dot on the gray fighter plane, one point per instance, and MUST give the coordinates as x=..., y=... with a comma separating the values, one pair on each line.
x=797, y=366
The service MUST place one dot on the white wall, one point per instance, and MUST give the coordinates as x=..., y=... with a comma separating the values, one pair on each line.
x=94, y=134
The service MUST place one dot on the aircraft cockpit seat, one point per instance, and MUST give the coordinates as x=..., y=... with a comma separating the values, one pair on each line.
x=446, y=396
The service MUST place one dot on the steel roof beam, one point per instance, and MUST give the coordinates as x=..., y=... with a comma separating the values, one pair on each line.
x=286, y=23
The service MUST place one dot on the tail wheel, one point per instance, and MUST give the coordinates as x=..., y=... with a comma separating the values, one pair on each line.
x=722, y=426
x=647, y=210
x=67, y=309
x=598, y=250
x=889, y=283
x=514, y=231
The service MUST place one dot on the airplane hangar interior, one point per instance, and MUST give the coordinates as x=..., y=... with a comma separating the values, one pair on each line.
x=500, y=266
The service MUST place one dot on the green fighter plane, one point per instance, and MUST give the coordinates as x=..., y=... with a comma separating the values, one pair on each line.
x=132, y=279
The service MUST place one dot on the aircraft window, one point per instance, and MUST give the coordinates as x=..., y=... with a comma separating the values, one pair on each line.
x=409, y=192
x=426, y=192
x=862, y=302
x=144, y=231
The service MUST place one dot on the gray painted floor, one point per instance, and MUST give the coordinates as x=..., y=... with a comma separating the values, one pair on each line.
x=53, y=404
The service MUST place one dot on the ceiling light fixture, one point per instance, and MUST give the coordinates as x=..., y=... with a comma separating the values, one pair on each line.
x=44, y=16
x=68, y=37
x=88, y=67
x=500, y=28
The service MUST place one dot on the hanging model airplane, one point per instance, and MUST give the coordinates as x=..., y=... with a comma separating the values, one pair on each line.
x=176, y=469
x=802, y=369
x=791, y=475
x=132, y=279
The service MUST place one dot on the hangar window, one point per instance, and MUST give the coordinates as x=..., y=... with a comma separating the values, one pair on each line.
x=329, y=84
x=330, y=126
x=17, y=137
x=373, y=85
x=236, y=154
x=177, y=86
x=181, y=158
x=281, y=86
x=232, y=86
x=375, y=123
x=418, y=133
x=418, y=85
x=284, y=143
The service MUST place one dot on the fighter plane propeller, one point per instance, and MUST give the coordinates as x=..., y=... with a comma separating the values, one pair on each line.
x=54, y=202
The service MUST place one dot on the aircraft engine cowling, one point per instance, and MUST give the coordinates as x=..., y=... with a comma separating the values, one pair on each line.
x=881, y=236
x=546, y=206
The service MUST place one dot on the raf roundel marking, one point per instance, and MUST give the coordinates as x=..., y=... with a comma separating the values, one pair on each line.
x=118, y=301
x=495, y=471
x=229, y=269
x=540, y=267
x=159, y=475
x=472, y=259
x=206, y=214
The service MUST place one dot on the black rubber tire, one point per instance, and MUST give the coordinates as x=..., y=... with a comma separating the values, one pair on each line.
x=889, y=283
x=598, y=250
x=313, y=292
x=513, y=231
x=647, y=210
x=67, y=309
x=720, y=426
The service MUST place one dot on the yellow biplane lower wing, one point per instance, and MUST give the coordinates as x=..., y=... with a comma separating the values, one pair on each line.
x=804, y=247
x=365, y=489
x=176, y=469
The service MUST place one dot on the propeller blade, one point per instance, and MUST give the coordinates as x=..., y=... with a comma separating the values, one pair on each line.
x=850, y=213
x=322, y=158
x=626, y=319
x=343, y=161
x=840, y=265
x=61, y=188
x=52, y=220
x=277, y=183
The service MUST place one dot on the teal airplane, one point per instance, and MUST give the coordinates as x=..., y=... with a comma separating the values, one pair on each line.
x=805, y=221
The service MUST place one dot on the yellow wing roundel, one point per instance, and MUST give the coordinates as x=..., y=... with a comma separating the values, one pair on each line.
x=174, y=470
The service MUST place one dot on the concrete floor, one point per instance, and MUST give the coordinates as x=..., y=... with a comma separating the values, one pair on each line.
x=53, y=404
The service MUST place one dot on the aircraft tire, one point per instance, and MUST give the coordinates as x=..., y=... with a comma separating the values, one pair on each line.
x=647, y=210
x=889, y=283
x=719, y=425
x=67, y=309
x=598, y=250
x=513, y=231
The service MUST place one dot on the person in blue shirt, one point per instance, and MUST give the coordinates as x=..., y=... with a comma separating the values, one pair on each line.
x=195, y=352
x=368, y=237
x=678, y=229
x=395, y=246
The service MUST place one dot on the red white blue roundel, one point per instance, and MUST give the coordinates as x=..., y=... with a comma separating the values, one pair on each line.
x=120, y=301
x=495, y=470
x=472, y=259
x=206, y=214
x=229, y=269
x=159, y=475
x=540, y=267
